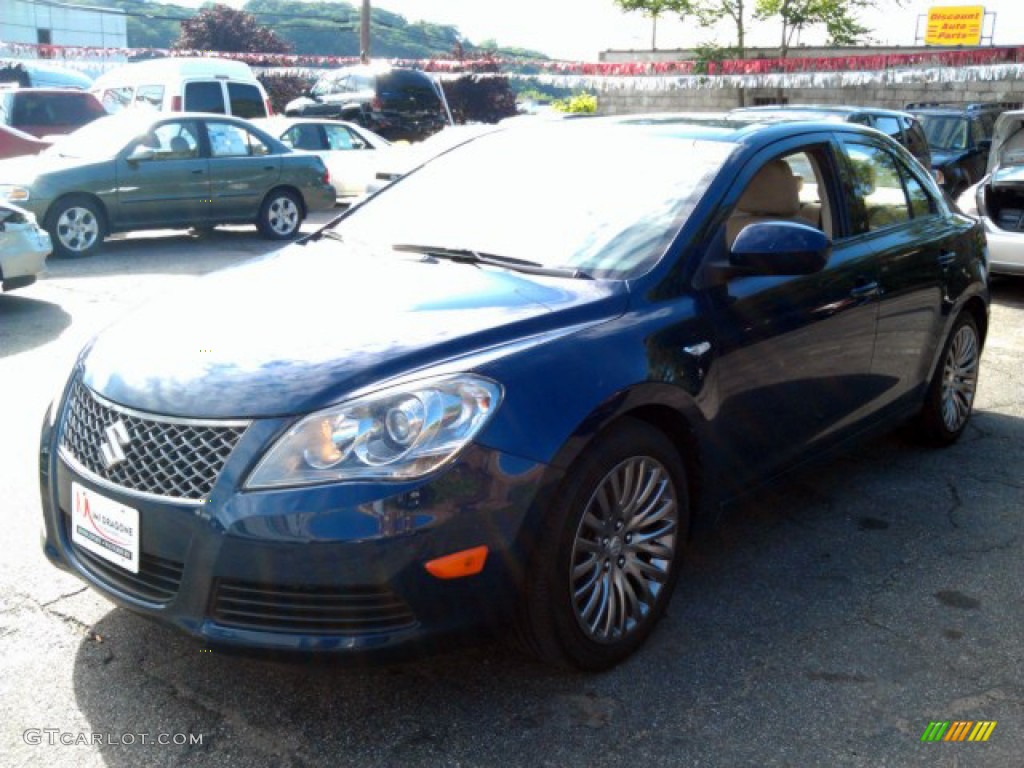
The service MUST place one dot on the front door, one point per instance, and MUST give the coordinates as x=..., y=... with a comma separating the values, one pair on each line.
x=792, y=353
x=171, y=186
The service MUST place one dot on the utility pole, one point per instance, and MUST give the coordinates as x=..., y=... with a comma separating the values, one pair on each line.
x=364, y=33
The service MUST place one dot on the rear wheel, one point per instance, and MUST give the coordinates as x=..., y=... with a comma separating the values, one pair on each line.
x=75, y=225
x=950, y=398
x=280, y=215
x=609, y=555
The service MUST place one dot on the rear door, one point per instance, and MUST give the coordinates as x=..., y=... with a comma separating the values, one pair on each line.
x=242, y=170
x=205, y=96
x=246, y=101
x=895, y=214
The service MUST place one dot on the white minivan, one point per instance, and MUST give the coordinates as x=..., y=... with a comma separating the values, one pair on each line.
x=184, y=84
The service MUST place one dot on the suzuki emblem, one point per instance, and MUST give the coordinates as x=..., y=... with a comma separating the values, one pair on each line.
x=113, y=447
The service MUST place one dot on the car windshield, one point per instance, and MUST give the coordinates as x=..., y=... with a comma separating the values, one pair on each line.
x=605, y=200
x=945, y=131
x=103, y=138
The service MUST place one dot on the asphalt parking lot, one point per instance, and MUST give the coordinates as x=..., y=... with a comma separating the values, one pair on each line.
x=826, y=623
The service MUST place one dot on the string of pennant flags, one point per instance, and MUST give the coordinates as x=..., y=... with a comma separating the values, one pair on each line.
x=986, y=64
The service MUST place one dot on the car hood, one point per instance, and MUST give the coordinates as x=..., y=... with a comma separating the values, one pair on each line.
x=26, y=169
x=305, y=327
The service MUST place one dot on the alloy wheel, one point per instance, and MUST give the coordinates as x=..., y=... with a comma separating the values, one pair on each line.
x=283, y=215
x=624, y=548
x=960, y=378
x=77, y=229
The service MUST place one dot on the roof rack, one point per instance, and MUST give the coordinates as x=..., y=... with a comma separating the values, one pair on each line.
x=967, y=107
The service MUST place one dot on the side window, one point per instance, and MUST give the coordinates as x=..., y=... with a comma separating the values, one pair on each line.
x=877, y=186
x=178, y=140
x=977, y=132
x=340, y=137
x=150, y=96
x=229, y=140
x=921, y=203
x=888, y=125
x=861, y=119
x=303, y=136
x=116, y=99
x=917, y=143
x=246, y=100
x=204, y=97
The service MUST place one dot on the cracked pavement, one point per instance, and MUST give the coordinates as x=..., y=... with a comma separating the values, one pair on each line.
x=826, y=622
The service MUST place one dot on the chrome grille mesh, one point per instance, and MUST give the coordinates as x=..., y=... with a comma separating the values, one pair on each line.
x=179, y=460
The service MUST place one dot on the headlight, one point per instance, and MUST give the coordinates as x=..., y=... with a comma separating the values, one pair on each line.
x=14, y=194
x=400, y=433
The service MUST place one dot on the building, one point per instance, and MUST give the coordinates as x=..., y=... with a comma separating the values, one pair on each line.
x=49, y=22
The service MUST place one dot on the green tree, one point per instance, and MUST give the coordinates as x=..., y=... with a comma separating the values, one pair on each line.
x=710, y=12
x=839, y=17
x=656, y=9
x=220, y=28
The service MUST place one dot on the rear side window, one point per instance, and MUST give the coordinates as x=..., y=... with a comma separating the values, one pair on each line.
x=246, y=100
x=878, y=186
x=150, y=96
x=204, y=97
x=229, y=140
x=116, y=99
x=56, y=109
x=404, y=88
x=890, y=126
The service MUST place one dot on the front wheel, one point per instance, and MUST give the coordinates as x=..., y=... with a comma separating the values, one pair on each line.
x=950, y=398
x=280, y=215
x=76, y=227
x=609, y=553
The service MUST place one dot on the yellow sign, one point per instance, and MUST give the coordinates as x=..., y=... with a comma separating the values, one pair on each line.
x=954, y=25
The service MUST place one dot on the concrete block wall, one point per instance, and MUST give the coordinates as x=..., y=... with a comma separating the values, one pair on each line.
x=713, y=98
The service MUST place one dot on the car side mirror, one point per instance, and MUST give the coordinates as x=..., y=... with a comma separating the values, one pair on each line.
x=140, y=153
x=779, y=248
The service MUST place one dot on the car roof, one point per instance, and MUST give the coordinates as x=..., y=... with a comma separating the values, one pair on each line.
x=186, y=66
x=708, y=126
x=837, y=109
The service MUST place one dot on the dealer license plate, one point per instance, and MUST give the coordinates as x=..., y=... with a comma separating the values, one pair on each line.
x=105, y=527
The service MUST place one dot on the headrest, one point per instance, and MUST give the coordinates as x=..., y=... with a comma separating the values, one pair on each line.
x=774, y=191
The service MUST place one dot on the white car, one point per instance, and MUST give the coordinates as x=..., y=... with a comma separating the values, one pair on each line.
x=998, y=199
x=24, y=246
x=349, y=151
x=402, y=158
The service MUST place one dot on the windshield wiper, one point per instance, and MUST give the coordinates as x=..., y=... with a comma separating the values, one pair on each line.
x=469, y=256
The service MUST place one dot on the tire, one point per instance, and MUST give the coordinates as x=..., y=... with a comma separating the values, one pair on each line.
x=594, y=592
x=950, y=398
x=76, y=227
x=280, y=215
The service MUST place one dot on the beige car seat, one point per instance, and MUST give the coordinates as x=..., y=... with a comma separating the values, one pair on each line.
x=772, y=195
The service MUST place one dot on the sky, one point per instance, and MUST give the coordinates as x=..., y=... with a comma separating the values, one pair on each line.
x=579, y=29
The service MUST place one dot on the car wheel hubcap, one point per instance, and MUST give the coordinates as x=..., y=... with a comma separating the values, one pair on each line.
x=959, y=378
x=624, y=549
x=77, y=229
x=284, y=215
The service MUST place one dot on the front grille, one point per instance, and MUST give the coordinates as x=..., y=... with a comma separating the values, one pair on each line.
x=176, y=459
x=157, y=580
x=310, y=610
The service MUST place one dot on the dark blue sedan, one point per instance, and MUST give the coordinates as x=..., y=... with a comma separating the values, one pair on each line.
x=501, y=392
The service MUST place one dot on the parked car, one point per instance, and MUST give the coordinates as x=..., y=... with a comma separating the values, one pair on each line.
x=190, y=84
x=960, y=136
x=348, y=150
x=38, y=74
x=24, y=246
x=393, y=102
x=44, y=112
x=143, y=170
x=15, y=143
x=473, y=403
x=998, y=199
x=399, y=159
x=901, y=126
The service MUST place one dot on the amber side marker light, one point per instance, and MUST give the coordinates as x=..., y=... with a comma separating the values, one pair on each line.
x=468, y=562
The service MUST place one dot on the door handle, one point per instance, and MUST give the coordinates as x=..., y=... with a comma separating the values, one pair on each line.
x=198, y=171
x=268, y=167
x=866, y=290
x=946, y=258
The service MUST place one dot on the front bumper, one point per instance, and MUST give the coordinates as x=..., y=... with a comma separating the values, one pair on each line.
x=336, y=568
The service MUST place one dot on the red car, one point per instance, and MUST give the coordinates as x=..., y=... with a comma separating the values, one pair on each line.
x=14, y=143
x=47, y=111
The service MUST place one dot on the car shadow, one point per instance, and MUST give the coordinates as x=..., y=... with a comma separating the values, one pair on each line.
x=1008, y=290
x=807, y=593
x=43, y=320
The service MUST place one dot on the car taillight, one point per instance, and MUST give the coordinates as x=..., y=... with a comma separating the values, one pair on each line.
x=176, y=104
x=270, y=108
x=327, y=175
